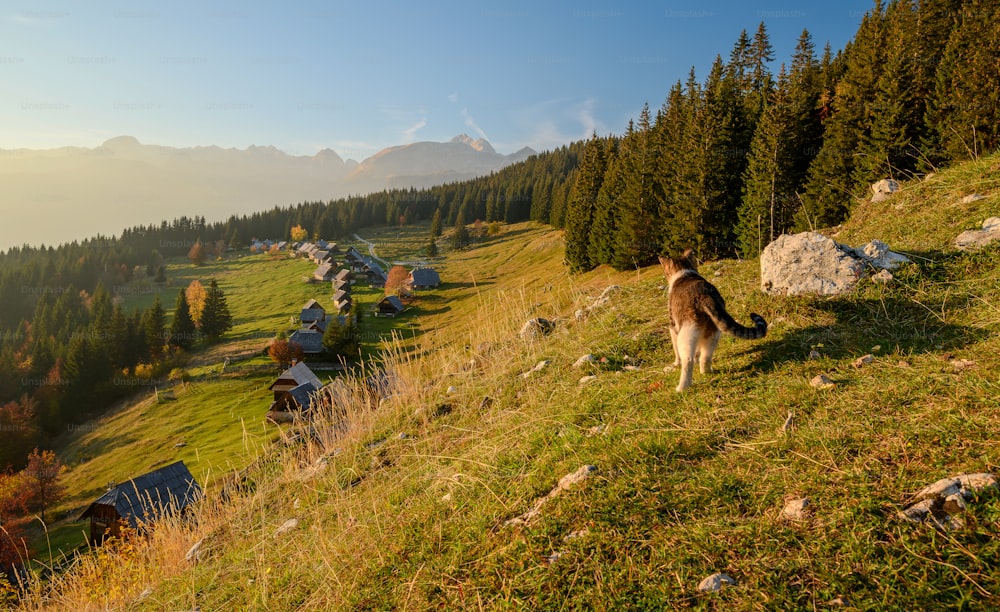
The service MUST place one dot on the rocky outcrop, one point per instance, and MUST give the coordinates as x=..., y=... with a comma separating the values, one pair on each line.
x=811, y=263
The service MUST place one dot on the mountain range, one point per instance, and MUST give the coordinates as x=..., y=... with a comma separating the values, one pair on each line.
x=52, y=196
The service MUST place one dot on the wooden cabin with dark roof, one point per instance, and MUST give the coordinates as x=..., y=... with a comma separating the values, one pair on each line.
x=424, y=278
x=389, y=306
x=325, y=272
x=342, y=301
x=141, y=501
x=312, y=311
x=310, y=340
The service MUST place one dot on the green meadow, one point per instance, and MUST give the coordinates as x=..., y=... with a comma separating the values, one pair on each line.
x=445, y=493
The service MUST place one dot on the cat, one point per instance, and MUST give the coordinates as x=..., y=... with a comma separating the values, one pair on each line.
x=698, y=317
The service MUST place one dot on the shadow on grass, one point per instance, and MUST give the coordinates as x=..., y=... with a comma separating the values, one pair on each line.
x=892, y=323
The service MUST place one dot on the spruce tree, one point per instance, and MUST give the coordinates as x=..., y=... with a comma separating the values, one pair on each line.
x=215, y=317
x=436, y=224
x=636, y=241
x=768, y=187
x=893, y=124
x=581, y=204
x=154, y=322
x=831, y=184
x=965, y=108
x=604, y=221
x=182, y=330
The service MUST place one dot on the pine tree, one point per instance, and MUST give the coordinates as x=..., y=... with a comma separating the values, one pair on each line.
x=637, y=241
x=436, y=224
x=215, y=317
x=893, y=124
x=582, y=202
x=767, y=188
x=965, y=107
x=787, y=138
x=460, y=238
x=154, y=322
x=182, y=330
x=603, y=228
x=831, y=185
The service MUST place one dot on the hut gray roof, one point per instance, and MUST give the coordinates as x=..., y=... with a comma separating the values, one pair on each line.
x=424, y=277
x=299, y=373
x=148, y=497
x=312, y=311
x=390, y=303
x=311, y=341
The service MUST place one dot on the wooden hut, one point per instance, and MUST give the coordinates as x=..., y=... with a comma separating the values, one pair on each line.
x=141, y=501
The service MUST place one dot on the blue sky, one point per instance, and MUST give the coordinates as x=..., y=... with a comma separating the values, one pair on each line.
x=304, y=76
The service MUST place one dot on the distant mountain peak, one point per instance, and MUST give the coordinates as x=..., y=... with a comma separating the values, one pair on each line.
x=482, y=145
x=121, y=142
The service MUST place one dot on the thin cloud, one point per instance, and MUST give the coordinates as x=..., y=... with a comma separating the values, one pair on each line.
x=553, y=123
x=471, y=123
x=410, y=133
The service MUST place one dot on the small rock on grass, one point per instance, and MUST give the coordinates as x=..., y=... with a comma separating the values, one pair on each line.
x=586, y=359
x=287, y=526
x=715, y=582
x=796, y=509
x=864, y=360
x=587, y=379
x=820, y=381
x=194, y=553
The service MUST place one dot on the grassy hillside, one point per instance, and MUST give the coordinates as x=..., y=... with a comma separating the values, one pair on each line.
x=446, y=495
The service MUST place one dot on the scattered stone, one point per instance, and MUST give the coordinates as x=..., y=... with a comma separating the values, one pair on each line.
x=631, y=368
x=402, y=435
x=541, y=365
x=587, y=380
x=820, y=381
x=973, y=239
x=296, y=504
x=536, y=329
x=585, y=360
x=789, y=423
x=839, y=602
x=446, y=497
x=553, y=557
x=579, y=315
x=796, y=509
x=883, y=189
x=194, y=553
x=882, y=277
x=715, y=582
x=863, y=360
x=814, y=354
x=451, y=390
x=573, y=535
x=180, y=445
x=808, y=263
x=596, y=430
x=286, y=527
x=941, y=502
x=877, y=254
x=604, y=298
x=962, y=364
x=565, y=483
x=903, y=364
x=972, y=197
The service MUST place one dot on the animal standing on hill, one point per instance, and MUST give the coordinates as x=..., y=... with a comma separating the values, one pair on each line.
x=698, y=317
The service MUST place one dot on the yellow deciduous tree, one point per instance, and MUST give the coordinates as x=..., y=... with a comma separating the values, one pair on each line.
x=196, y=294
